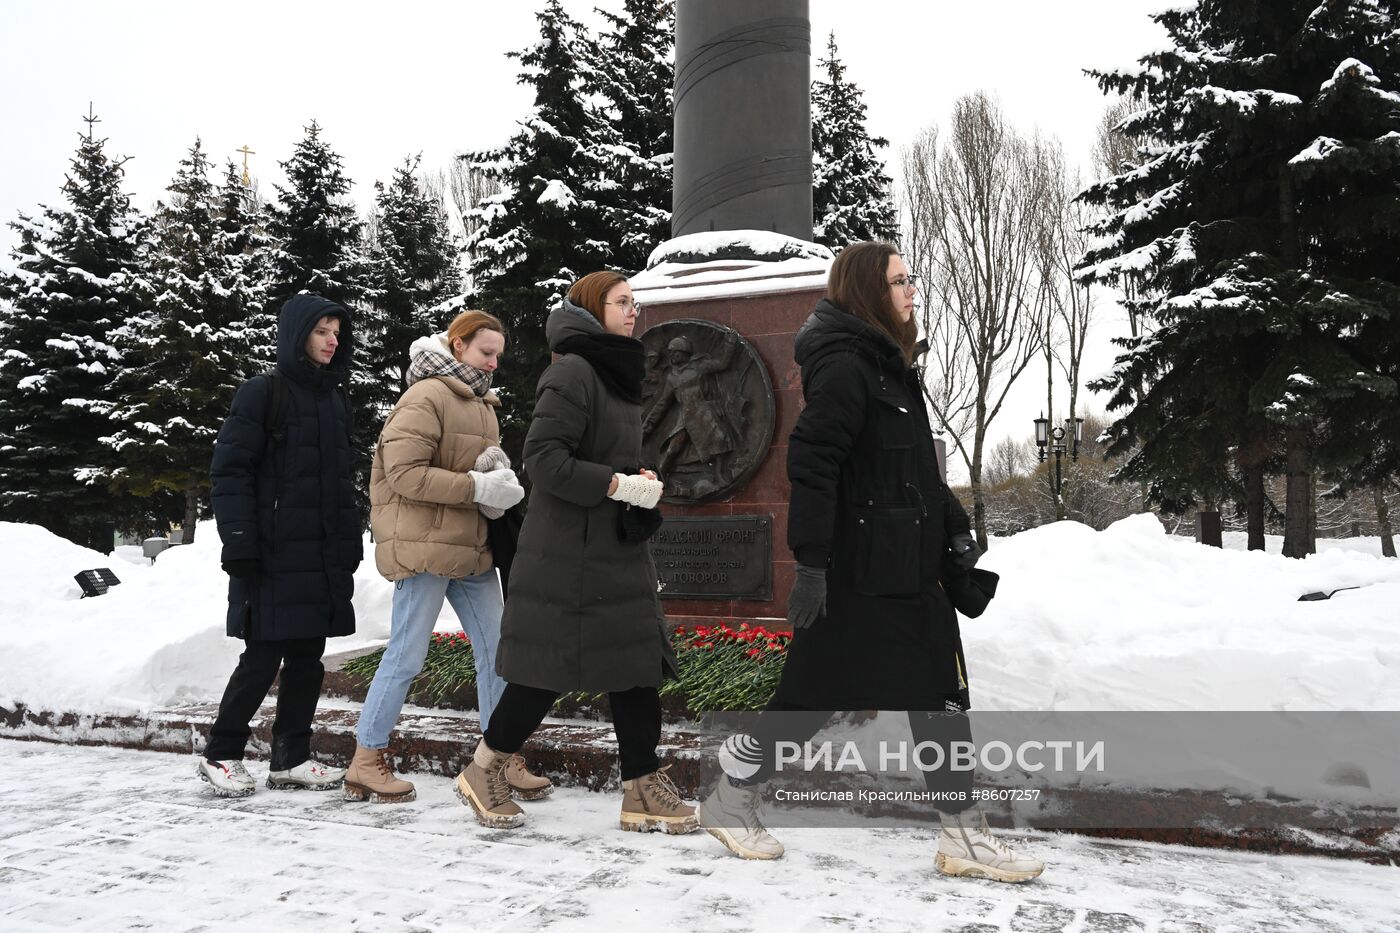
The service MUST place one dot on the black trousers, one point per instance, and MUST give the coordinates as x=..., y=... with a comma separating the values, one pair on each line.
x=297, y=695
x=636, y=716
x=950, y=724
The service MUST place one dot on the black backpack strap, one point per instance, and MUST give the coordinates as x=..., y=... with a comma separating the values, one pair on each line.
x=275, y=409
x=349, y=414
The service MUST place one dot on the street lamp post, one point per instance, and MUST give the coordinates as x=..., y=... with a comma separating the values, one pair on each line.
x=1054, y=439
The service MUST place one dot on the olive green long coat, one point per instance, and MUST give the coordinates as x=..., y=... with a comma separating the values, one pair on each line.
x=583, y=612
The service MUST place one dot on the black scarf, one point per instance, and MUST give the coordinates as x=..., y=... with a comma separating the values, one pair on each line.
x=619, y=361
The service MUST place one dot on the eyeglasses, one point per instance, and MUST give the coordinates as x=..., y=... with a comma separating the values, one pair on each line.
x=905, y=281
x=626, y=303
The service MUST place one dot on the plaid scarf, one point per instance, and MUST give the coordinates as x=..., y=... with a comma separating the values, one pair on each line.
x=433, y=363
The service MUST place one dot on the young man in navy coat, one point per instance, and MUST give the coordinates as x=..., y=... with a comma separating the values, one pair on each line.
x=284, y=500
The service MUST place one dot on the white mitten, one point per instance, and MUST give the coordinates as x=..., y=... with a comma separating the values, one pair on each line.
x=498, y=489
x=638, y=490
x=491, y=459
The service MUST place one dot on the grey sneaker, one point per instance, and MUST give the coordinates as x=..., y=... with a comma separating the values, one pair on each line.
x=967, y=849
x=309, y=775
x=227, y=778
x=730, y=814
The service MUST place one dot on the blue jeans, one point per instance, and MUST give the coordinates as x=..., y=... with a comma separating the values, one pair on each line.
x=417, y=604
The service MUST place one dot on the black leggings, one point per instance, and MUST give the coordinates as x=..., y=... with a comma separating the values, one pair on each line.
x=636, y=716
x=798, y=724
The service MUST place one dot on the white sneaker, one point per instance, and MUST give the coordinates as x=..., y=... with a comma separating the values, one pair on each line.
x=730, y=814
x=967, y=849
x=228, y=778
x=310, y=774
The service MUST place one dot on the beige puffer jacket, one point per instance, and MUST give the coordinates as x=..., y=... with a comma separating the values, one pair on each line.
x=422, y=510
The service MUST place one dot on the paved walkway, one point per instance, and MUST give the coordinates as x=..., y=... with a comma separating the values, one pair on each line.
x=112, y=839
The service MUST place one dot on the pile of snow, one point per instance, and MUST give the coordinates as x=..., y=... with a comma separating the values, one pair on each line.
x=1134, y=618
x=155, y=639
x=727, y=279
x=731, y=264
x=558, y=194
x=763, y=245
x=1127, y=618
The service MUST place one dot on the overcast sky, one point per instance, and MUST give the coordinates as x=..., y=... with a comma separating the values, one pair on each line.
x=386, y=80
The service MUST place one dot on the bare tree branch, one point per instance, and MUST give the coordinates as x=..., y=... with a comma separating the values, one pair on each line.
x=974, y=206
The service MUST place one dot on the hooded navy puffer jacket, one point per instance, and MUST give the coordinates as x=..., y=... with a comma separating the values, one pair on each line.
x=290, y=505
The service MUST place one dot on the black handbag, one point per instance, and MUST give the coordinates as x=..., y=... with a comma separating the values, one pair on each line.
x=970, y=590
x=635, y=525
x=503, y=536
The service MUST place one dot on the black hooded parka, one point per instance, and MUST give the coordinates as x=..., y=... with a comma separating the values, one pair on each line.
x=869, y=506
x=289, y=504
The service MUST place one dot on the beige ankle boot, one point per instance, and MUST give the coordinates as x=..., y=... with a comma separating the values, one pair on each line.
x=968, y=849
x=371, y=778
x=652, y=802
x=482, y=786
x=730, y=814
x=523, y=784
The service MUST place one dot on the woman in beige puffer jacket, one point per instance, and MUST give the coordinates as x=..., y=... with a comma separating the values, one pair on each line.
x=439, y=474
x=424, y=514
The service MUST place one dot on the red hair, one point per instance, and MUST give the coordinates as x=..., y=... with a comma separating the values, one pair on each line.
x=470, y=323
x=591, y=292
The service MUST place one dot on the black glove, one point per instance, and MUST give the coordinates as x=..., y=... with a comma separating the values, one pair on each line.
x=965, y=551
x=808, y=599
x=242, y=569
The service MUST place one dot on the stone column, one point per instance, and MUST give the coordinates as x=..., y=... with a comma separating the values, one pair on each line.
x=743, y=122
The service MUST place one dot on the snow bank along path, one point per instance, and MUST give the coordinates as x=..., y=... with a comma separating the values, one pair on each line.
x=1127, y=618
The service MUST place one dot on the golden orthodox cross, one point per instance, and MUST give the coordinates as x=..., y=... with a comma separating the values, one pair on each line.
x=246, y=152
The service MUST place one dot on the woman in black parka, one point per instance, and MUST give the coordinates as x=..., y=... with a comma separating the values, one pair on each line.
x=284, y=500
x=582, y=613
x=878, y=536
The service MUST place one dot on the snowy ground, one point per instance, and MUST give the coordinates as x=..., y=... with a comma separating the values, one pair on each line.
x=1128, y=618
x=1123, y=619
x=108, y=839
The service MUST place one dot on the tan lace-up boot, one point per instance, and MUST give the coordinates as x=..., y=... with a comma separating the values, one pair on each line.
x=652, y=802
x=482, y=786
x=370, y=777
x=523, y=784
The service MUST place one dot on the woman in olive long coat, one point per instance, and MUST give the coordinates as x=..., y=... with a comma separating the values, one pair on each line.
x=582, y=613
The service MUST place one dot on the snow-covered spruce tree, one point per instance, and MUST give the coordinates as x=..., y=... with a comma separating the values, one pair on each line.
x=320, y=249
x=1347, y=188
x=1233, y=230
x=630, y=68
x=187, y=353
x=76, y=279
x=248, y=251
x=545, y=228
x=851, y=198
x=316, y=227
x=413, y=269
